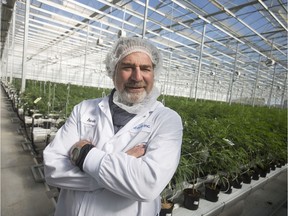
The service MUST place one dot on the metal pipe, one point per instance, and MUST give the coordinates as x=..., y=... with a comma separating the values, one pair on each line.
x=13, y=43
x=283, y=93
x=85, y=55
x=145, y=18
x=272, y=86
x=256, y=82
x=200, y=61
x=233, y=75
x=167, y=75
x=7, y=57
x=272, y=14
x=25, y=45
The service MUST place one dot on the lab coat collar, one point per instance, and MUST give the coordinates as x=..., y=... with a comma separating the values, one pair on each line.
x=139, y=118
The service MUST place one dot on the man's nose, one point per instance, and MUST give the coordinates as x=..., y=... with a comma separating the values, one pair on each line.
x=136, y=74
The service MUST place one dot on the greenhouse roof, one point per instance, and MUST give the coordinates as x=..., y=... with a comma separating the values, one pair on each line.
x=213, y=45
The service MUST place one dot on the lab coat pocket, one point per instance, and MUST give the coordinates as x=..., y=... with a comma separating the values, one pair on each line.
x=140, y=134
x=88, y=131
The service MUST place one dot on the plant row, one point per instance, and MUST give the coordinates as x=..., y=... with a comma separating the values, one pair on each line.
x=219, y=139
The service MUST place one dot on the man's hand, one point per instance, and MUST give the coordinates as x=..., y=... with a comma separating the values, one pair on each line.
x=137, y=151
x=81, y=143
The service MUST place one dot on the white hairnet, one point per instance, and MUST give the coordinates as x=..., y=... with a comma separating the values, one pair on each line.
x=127, y=45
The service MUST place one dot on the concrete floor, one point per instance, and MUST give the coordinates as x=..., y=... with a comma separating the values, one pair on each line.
x=20, y=194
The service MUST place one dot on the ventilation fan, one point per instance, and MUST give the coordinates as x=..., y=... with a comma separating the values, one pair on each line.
x=269, y=62
x=121, y=33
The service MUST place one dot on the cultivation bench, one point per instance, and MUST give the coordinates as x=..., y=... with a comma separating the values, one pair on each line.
x=226, y=201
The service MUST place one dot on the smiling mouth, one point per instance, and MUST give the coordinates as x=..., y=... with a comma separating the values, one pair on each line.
x=134, y=88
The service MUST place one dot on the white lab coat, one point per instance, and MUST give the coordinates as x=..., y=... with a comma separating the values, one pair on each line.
x=114, y=183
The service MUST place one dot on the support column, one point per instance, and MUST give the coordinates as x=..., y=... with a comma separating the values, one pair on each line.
x=145, y=18
x=283, y=93
x=85, y=55
x=272, y=86
x=200, y=61
x=25, y=45
x=13, y=43
x=256, y=82
x=7, y=56
x=233, y=75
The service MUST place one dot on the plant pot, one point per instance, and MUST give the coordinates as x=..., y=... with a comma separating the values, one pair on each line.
x=272, y=166
x=166, y=208
x=255, y=175
x=191, y=198
x=237, y=183
x=211, y=193
x=279, y=163
x=226, y=187
x=263, y=172
x=246, y=178
x=282, y=162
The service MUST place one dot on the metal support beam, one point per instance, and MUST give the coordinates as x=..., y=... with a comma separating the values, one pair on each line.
x=283, y=93
x=272, y=14
x=7, y=56
x=145, y=18
x=272, y=86
x=167, y=76
x=13, y=43
x=256, y=82
x=200, y=61
x=233, y=75
x=85, y=55
x=25, y=45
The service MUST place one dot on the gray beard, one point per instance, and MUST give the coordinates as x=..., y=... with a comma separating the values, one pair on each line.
x=131, y=98
x=129, y=104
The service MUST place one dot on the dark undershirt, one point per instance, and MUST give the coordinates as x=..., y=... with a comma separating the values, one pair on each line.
x=120, y=118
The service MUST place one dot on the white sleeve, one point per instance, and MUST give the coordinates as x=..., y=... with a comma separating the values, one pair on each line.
x=142, y=178
x=58, y=169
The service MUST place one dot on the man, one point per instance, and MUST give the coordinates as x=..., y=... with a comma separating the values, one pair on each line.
x=115, y=155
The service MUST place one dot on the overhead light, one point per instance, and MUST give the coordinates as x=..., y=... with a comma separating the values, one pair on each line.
x=4, y=1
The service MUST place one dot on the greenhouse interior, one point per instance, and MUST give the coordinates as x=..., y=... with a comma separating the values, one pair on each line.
x=225, y=74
